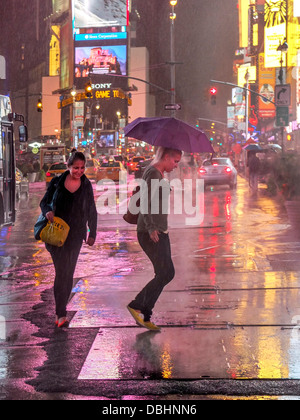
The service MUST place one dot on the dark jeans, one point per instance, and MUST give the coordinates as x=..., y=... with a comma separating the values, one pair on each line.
x=160, y=256
x=65, y=260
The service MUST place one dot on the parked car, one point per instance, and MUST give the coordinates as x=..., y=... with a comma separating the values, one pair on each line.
x=132, y=164
x=92, y=168
x=218, y=171
x=22, y=185
x=55, y=170
x=111, y=170
x=141, y=166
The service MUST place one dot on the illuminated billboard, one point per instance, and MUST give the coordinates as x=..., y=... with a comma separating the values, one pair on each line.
x=100, y=13
x=54, y=51
x=98, y=60
x=266, y=81
x=296, y=7
x=99, y=54
x=293, y=38
x=275, y=32
x=243, y=23
x=246, y=70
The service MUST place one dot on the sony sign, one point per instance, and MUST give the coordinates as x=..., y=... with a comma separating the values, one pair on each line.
x=101, y=86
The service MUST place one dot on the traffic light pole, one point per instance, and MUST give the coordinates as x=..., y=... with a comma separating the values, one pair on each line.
x=139, y=80
x=247, y=89
x=247, y=106
x=172, y=64
x=212, y=121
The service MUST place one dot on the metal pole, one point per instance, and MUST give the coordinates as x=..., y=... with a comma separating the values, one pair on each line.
x=172, y=64
x=138, y=79
x=249, y=90
x=247, y=105
x=281, y=82
x=73, y=123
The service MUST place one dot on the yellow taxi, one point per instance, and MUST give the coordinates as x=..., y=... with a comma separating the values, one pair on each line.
x=92, y=168
x=55, y=169
x=111, y=170
x=132, y=164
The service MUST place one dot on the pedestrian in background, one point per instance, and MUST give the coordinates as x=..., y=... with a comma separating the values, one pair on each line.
x=254, y=170
x=76, y=206
x=153, y=236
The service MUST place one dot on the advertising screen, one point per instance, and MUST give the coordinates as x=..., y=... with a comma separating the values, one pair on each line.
x=106, y=139
x=100, y=59
x=100, y=13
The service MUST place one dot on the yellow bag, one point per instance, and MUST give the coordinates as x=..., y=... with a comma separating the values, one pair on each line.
x=55, y=233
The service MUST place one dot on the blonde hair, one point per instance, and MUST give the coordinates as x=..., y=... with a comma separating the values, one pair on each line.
x=162, y=151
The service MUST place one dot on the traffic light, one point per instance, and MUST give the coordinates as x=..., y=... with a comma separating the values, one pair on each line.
x=88, y=90
x=213, y=95
x=39, y=105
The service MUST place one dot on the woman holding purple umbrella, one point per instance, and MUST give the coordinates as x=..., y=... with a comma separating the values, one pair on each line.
x=153, y=236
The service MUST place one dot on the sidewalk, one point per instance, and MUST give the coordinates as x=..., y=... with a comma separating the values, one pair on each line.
x=229, y=319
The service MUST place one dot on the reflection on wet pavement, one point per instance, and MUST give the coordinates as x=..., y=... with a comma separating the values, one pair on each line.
x=231, y=312
x=228, y=313
x=239, y=353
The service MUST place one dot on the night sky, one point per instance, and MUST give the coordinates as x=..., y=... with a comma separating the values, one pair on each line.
x=206, y=34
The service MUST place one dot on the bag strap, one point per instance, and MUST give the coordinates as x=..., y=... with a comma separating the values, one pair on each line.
x=53, y=203
x=61, y=180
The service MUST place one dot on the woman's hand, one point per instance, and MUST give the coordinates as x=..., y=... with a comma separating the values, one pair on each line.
x=50, y=216
x=155, y=236
x=90, y=241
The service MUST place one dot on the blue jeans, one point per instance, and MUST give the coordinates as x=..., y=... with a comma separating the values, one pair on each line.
x=160, y=256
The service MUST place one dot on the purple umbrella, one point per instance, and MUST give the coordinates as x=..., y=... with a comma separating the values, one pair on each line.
x=169, y=132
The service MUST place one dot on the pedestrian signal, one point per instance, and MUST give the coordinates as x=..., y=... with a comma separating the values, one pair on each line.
x=88, y=90
x=39, y=106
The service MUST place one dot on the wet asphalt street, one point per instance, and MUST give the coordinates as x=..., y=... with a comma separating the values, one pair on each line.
x=229, y=319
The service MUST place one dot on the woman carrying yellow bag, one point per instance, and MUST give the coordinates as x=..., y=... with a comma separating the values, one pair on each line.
x=75, y=205
x=55, y=233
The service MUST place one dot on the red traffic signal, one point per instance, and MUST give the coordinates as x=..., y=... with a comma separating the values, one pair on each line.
x=213, y=92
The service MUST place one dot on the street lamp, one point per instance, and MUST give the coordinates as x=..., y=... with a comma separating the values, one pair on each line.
x=173, y=3
x=73, y=94
x=283, y=48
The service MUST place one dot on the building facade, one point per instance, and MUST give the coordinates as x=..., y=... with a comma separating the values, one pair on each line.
x=269, y=49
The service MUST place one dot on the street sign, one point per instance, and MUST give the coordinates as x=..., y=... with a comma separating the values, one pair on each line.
x=172, y=107
x=283, y=95
x=282, y=116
